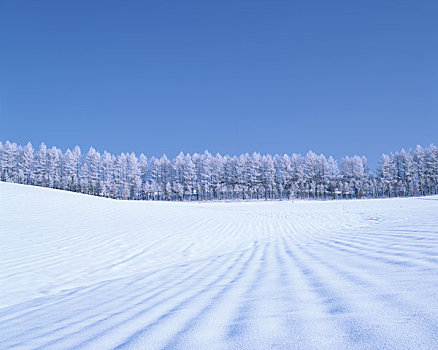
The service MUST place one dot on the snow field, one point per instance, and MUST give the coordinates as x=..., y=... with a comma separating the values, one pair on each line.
x=82, y=272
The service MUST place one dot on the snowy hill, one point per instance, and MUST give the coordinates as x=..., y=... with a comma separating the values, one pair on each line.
x=78, y=271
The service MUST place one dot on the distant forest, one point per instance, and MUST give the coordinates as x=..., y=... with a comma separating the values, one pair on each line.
x=200, y=177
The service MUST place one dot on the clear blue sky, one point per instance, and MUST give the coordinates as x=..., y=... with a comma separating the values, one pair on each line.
x=338, y=77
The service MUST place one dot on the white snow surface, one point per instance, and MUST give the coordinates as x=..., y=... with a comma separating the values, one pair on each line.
x=82, y=272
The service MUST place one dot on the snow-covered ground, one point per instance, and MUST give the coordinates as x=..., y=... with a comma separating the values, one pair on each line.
x=84, y=272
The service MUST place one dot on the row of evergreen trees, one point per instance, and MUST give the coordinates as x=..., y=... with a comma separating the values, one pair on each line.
x=208, y=177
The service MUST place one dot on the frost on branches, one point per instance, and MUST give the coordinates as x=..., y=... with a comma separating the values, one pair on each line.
x=207, y=177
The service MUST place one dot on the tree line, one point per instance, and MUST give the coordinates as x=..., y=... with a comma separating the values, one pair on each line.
x=200, y=177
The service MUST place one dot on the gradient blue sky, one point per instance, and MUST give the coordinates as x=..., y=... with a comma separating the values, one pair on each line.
x=338, y=77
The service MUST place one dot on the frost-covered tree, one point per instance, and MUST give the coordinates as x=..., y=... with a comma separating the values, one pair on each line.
x=107, y=180
x=9, y=159
x=207, y=177
x=268, y=176
x=143, y=167
x=386, y=175
x=40, y=166
x=25, y=164
x=311, y=169
x=189, y=177
x=333, y=178
x=55, y=167
x=90, y=179
x=133, y=174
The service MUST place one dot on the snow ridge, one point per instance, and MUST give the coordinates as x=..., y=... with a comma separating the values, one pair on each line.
x=82, y=272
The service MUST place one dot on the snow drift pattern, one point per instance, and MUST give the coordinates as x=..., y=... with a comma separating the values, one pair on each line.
x=82, y=272
x=207, y=177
